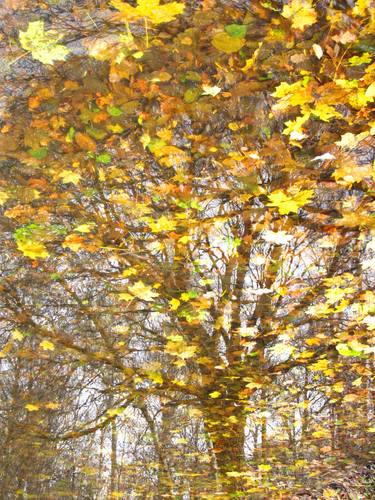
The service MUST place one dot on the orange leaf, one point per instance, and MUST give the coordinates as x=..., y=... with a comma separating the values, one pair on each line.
x=85, y=142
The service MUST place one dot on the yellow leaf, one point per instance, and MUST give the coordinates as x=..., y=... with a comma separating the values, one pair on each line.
x=294, y=127
x=85, y=228
x=142, y=291
x=215, y=394
x=325, y=112
x=361, y=7
x=68, y=176
x=46, y=345
x=226, y=43
x=33, y=249
x=264, y=467
x=174, y=304
x=370, y=91
x=131, y=271
x=177, y=346
x=150, y=9
x=52, y=406
x=43, y=45
x=289, y=204
x=233, y=473
x=74, y=242
x=155, y=377
x=31, y=407
x=3, y=197
x=17, y=334
x=300, y=12
x=162, y=224
x=350, y=398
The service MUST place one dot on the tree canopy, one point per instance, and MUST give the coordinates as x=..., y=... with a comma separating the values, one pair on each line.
x=188, y=247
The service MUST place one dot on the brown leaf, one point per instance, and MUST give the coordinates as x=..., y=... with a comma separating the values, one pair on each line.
x=85, y=142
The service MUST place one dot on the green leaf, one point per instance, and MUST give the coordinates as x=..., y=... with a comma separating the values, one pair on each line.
x=114, y=111
x=70, y=135
x=104, y=158
x=39, y=153
x=191, y=95
x=96, y=133
x=236, y=30
x=43, y=45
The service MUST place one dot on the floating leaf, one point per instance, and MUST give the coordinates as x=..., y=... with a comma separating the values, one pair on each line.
x=39, y=153
x=142, y=291
x=226, y=43
x=289, y=204
x=236, y=30
x=301, y=12
x=114, y=111
x=151, y=9
x=104, y=158
x=69, y=176
x=31, y=407
x=85, y=142
x=43, y=45
x=47, y=345
x=33, y=249
x=191, y=95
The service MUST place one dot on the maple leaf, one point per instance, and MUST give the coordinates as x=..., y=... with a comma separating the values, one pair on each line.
x=142, y=291
x=294, y=127
x=43, y=45
x=33, y=249
x=325, y=112
x=74, y=242
x=301, y=12
x=289, y=204
x=162, y=224
x=150, y=9
x=17, y=334
x=177, y=346
x=46, y=345
x=68, y=176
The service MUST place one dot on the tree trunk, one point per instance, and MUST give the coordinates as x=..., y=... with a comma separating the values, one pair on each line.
x=225, y=423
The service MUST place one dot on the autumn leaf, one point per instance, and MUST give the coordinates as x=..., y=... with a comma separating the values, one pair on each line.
x=142, y=291
x=3, y=197
x=150, y=9
x=225, y=43
x=47, y=345
x=301, y=12
x=33, y=249
x=31, y=407
x=177, y=346
x=69, y=176
x=294, y=128
x=85, y=142
x=74, y=241
x=289, y=204
x=162, y=224
x=42, y=44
